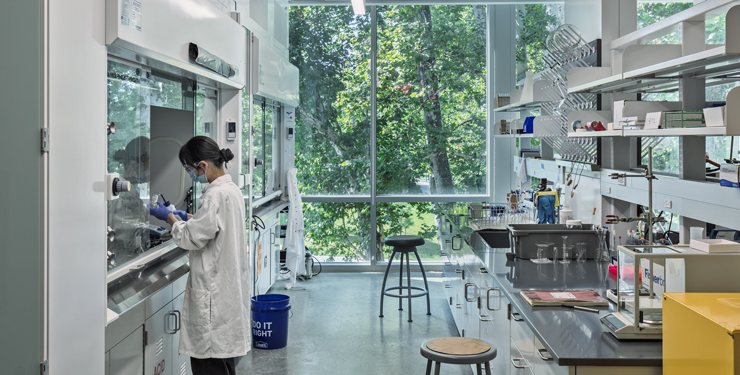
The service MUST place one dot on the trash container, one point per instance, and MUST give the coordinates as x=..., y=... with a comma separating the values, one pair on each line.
x=270, y=321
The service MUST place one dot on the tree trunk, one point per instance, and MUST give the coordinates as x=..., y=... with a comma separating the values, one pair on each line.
x=479, y=14
x=435, y=129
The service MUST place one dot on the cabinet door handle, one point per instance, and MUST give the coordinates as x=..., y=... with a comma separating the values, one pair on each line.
x=515, y=361
x=483, y=270
x=459, y=237
x=516, y=316
x=547, y=357
x=488, y=299
x=458, y=270
x=467, y=285
x=167, y=323
x=485, y=318
x=178, y=321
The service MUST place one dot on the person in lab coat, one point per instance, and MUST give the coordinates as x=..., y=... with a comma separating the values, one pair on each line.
x=216, y=322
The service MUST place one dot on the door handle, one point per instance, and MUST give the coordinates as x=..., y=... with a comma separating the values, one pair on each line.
x=488, y=299
x=547, y=357
x=467, y=285
x=485, y=318
x=515, y=361
x=517, y=317
x=179, y=320
x=457, y=236
x=167, y=323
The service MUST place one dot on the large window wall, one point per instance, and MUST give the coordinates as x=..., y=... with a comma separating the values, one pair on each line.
x=382, y=158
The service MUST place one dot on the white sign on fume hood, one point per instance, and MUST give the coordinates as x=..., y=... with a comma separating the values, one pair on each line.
x=131, y=14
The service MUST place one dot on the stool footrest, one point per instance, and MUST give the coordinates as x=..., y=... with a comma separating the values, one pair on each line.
x=424, y=292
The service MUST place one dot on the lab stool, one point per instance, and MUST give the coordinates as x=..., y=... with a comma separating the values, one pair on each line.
x=404, y=245
x=458, y=351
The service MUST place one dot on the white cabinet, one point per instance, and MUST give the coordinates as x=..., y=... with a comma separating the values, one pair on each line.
x=158, y=349
x=180, y=363
x=125, y=357
x=162, y=342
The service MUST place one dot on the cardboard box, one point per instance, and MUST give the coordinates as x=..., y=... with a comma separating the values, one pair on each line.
x=729, y=175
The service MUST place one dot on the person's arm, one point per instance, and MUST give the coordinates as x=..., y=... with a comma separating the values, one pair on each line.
x=195, y=233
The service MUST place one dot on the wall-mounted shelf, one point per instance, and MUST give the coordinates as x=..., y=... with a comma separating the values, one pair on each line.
x=605, y=133
x=657, y=68
x=677, y=132
x=520, y=106
x=530, y=96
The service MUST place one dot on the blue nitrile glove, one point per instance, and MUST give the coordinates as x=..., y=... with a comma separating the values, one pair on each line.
x=182, y=215
x=160, y=212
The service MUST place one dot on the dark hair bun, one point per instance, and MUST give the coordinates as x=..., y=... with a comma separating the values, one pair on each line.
x=226, y=155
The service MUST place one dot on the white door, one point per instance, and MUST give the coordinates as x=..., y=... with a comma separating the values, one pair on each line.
x=180, y=363
x=126, y=358
x=158, y=350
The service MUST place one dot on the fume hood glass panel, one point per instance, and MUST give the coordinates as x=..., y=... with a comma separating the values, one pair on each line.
x=206, y=120
x=131, y=93
x=431, y=125
x=244, y=163
x=416, y=219
x=332, y=130
x=338, y=232
x=266, y=119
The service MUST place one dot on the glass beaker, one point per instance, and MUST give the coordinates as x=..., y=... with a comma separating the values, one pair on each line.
x=602, y=252
x=567, y=254
x=542, y=252
x=581, y=252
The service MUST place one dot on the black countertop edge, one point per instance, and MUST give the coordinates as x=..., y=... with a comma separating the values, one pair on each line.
x=610, y=362
x=524, y=309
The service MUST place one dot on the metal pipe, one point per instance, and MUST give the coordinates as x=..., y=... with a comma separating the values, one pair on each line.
x=650, y=197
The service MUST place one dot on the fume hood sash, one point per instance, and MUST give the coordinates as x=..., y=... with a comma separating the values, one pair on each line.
x=162, y=30
x=273, y=77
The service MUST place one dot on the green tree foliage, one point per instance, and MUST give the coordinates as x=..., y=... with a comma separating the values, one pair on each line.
x=534, y=23
x=430, y=115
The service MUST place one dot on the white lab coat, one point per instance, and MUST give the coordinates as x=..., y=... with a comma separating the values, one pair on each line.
x=215, y=318
x=295, y=253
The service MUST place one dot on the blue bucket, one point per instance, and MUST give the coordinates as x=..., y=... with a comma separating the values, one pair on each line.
x=270, y=321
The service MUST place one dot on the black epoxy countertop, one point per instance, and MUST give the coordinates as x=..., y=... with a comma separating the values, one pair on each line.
x=573, y=338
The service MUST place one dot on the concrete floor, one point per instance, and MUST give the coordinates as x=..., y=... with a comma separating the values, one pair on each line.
x=335, y=329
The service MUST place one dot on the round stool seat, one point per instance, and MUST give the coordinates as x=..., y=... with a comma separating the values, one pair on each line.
x=404, y=241
x=458, y=350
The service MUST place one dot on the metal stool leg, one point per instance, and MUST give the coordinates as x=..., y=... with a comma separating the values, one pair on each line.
x=429, y=366
x=400, y=283
x=488, y=368
x=426, y=285
x=477, y=367
x=408, y=277
x=437, y=365
x=382, y=289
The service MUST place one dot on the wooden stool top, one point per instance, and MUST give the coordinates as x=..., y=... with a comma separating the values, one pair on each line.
x=458, y=346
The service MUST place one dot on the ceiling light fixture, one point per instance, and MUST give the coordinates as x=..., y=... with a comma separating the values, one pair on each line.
x=358, y=6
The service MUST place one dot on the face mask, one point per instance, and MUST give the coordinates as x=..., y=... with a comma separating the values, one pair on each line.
x=202, y=178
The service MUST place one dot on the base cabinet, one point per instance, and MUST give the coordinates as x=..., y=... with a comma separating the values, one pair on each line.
x=152, y=346
x=126, y=358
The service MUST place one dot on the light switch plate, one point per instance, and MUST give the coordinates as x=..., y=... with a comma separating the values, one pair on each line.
x=668, y=203
x=608, y=190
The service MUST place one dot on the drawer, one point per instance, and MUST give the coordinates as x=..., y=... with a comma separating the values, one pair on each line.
x=543, y=363
x=523, y=338
x=518, y=365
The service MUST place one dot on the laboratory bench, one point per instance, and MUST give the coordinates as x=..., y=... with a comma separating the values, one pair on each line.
x=483, y=290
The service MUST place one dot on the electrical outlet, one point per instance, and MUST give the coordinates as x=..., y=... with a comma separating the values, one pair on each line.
x=668, y=203
x=608, y=190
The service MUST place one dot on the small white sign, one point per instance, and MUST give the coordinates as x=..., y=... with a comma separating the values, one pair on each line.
x=653, y=120
x=563, y=295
